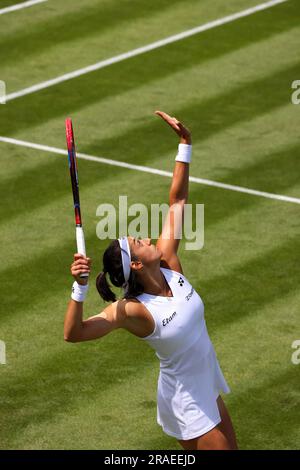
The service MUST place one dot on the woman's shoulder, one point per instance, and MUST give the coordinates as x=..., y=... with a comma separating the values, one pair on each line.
x=131, y=307
x=137, y=319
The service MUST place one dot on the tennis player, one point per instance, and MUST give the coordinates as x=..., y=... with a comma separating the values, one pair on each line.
x=161, y=307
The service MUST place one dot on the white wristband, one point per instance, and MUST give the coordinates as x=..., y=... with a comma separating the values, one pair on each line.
x=184, y=153
x=79, y=292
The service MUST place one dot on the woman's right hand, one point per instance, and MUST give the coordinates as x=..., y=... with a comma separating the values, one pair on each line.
x=81, y=265
x=177, y=126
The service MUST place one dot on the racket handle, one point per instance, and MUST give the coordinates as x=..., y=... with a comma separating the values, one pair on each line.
x=81, y=245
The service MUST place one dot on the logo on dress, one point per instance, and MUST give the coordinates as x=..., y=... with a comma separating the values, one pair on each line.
x=167, y=320
x=180, y=281
x=187, y=297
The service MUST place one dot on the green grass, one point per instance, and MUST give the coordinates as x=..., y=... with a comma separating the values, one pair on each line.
x=232, y=87
x=8, y=3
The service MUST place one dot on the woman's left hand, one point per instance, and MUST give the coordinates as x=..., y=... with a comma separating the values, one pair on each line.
x=177, y=126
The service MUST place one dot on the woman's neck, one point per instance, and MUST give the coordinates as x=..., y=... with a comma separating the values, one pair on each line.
x=154, y=282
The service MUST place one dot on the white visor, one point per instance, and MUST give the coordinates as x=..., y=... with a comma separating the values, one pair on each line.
x=126, y=258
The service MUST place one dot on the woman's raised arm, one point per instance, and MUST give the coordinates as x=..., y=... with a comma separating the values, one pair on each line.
x=169, y=239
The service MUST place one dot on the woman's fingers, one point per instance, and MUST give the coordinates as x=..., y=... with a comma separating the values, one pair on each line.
x=81, y=258
x=79, y=271
x=80, y=265
x=166, y=117
x=82, y=261
x=76, y=274
x=163, y=115
x=172, y=121
x=78, y=256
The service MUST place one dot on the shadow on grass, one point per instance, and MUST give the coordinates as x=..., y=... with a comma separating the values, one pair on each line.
x=54, y=386
x=267, y=416
x=245, y=289
x=205, y=118
x=32, y=110
x=35, y=187
x=89, y=21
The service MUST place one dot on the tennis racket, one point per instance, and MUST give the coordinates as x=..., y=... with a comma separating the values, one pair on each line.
x=75, y=189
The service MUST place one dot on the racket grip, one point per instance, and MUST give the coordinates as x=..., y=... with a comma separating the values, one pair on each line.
x=81, y=245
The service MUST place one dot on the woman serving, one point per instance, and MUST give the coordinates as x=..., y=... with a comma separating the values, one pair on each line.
x=161, y=307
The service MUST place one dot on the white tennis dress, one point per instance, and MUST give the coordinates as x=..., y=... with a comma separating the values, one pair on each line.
x=190, y=377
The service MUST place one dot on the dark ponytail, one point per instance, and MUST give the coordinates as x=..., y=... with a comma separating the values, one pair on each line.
x=103, y=288
x=112, y=264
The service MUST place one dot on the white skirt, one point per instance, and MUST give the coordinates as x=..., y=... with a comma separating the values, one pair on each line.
x=187, y=402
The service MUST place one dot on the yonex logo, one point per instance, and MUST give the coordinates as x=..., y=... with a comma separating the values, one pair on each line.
x=167, y=320
x=180, y=281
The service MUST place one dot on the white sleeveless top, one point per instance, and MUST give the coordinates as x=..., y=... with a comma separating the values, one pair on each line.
x=190, y=376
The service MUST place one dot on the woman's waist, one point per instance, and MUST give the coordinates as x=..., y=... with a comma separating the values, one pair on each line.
x=187, y=359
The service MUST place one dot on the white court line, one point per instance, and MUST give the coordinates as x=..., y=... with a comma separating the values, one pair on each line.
x=20, y=6
x=146, y=169
x=142, y=50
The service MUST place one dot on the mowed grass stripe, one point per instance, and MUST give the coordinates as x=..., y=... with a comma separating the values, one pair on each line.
x=278, y=166
x=35, y=16
x=91, y=20
x=19, y=6
x=7, y=3
x=251, y=142
x=102, y=43
x=205, y=117
x=120, y=78
x=258, y=425
x=260, y=134
x=53, y=226
x=268, y=270
x=55, y=382
x=16, y=201
x=16, y=161
x=144, y=49
x=47, y=207
x=276, y=264
x=260, y=100
x=59, y=246
x=43, y=409
x=60, y=252
x=199, y=82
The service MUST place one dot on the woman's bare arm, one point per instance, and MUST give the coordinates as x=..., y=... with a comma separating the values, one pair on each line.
x=169, y=239
x=75, y=328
